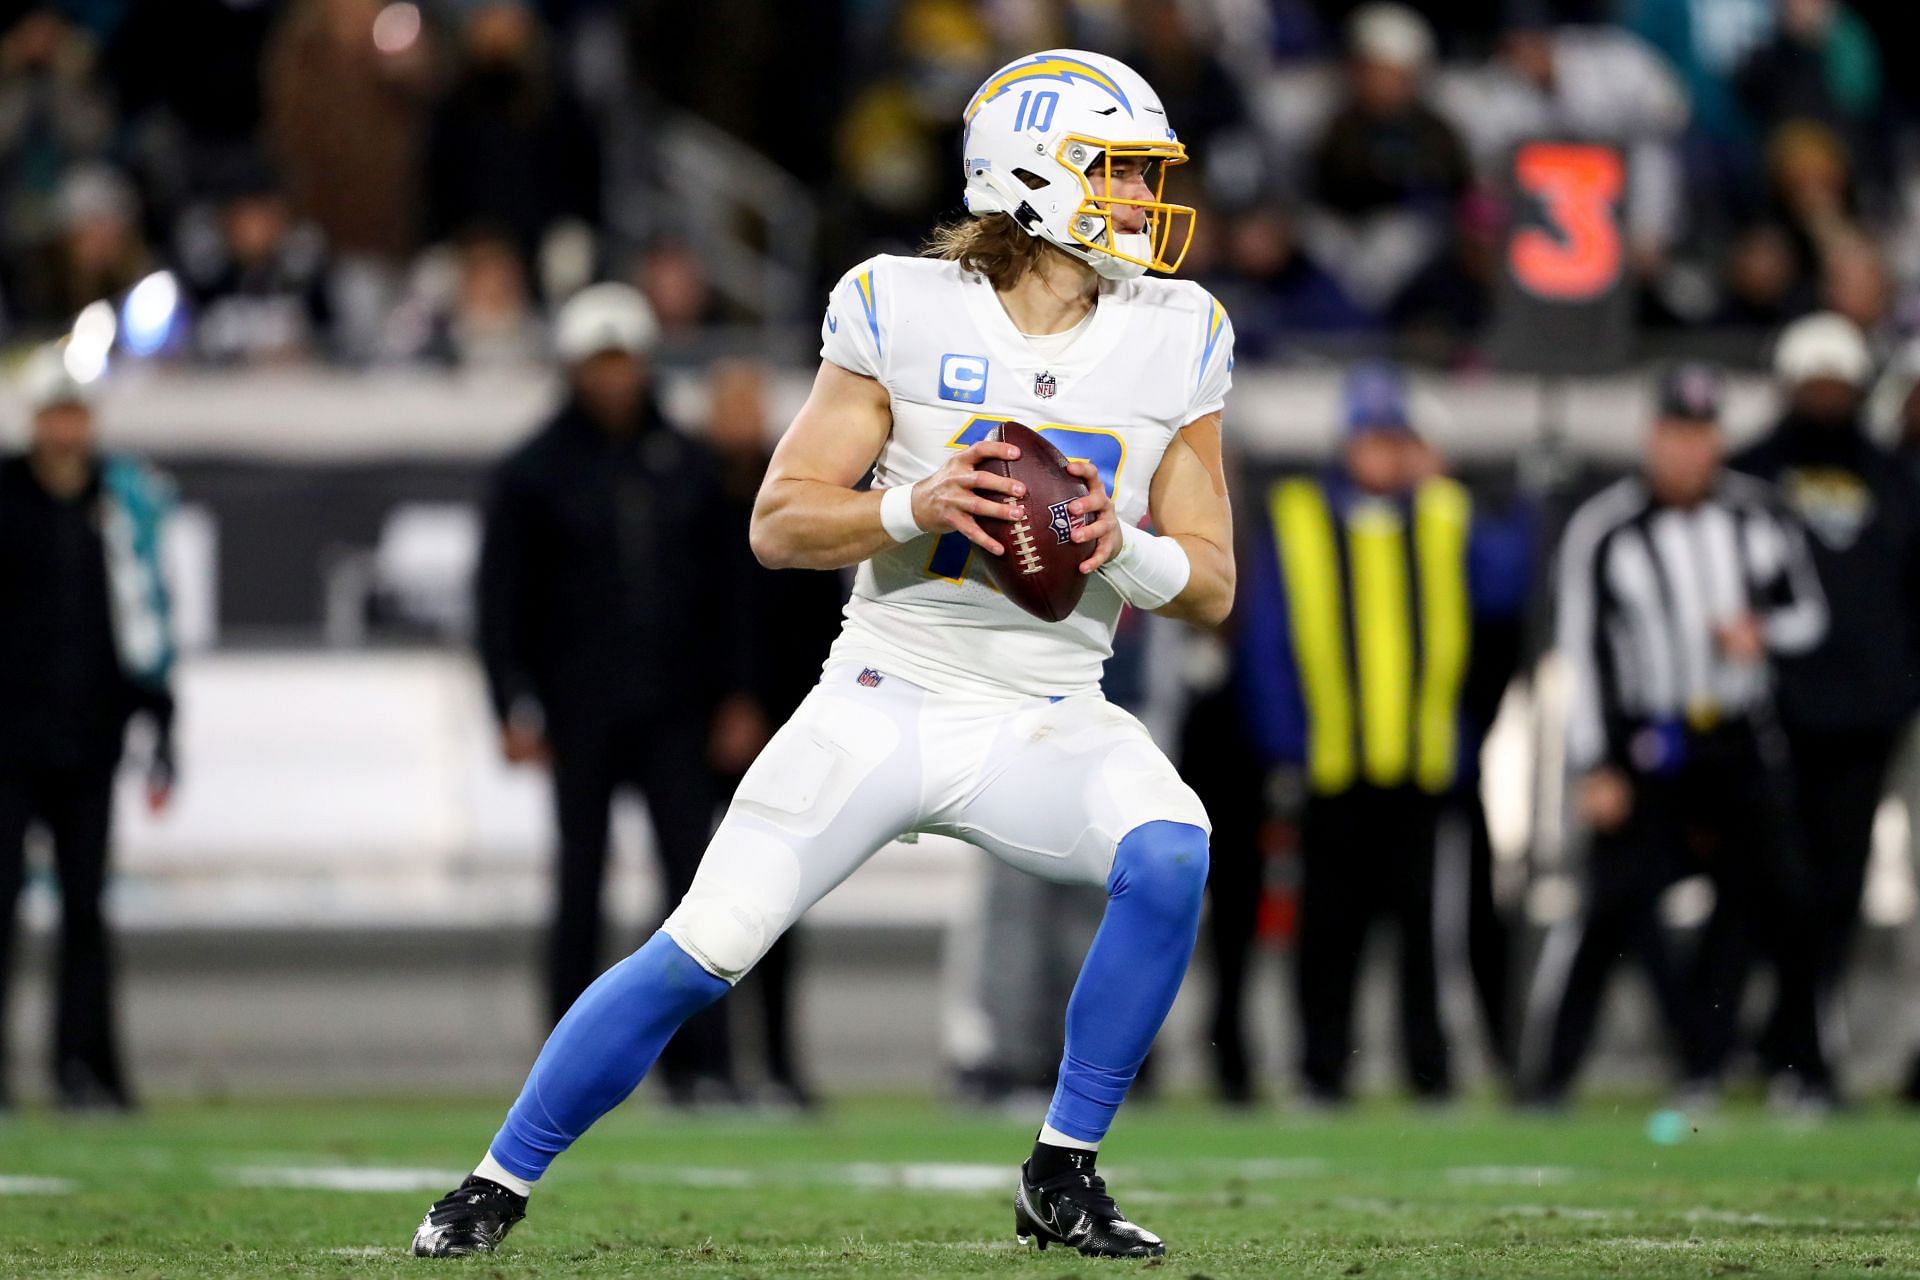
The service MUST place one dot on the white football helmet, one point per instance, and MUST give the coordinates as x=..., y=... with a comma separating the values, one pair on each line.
x=1035, y=130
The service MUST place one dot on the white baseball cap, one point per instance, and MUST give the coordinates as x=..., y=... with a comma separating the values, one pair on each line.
x=47, y=381
x=1823, y=345
x=605, y=317
x=1391, y=33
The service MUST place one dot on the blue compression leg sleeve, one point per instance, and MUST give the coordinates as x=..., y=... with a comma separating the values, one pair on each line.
x=600, y=1051
x=1132, y=972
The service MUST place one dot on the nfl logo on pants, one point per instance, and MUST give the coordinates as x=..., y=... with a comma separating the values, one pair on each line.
x=1044, y=385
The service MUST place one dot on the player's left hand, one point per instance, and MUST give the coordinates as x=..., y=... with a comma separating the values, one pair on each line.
x=1104, y=527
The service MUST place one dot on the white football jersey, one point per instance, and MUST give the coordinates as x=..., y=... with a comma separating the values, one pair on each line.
x=1155, y=355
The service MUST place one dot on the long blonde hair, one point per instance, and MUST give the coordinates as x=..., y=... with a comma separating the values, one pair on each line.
x=992, y=245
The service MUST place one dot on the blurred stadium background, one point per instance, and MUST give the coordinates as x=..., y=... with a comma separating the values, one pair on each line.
x=310, y=248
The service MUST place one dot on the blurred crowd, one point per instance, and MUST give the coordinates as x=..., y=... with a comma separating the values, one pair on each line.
x=358, y=182
x=362, y=181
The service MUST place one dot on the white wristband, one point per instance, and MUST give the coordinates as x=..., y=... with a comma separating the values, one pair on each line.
x=1150, y=569
x=896, y=513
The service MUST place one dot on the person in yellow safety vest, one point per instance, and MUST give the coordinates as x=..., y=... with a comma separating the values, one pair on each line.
x=1356, y=635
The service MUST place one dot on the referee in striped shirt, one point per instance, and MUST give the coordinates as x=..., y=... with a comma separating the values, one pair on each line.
x=1677, y=587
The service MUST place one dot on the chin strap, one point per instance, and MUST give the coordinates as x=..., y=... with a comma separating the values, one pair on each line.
x=1108, y=267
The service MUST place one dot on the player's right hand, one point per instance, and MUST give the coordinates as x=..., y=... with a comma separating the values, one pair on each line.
x=955, y=496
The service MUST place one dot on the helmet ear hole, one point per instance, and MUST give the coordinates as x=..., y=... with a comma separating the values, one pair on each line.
x=1033, y=180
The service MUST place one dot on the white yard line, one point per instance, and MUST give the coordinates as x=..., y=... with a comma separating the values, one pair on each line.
x=1500, y=1175
x=928, y=1177
x=343, y=1178
x=938, y=1176
x=28, y=1185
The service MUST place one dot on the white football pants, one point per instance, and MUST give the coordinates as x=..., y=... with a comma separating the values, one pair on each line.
x=1051, y=787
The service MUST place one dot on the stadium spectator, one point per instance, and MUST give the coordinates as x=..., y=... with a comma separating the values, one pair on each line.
x=1845, y=704
x=509, y=146
x=1707, y=47
x=790, y=618
x=671, y=274
x=53, y=117
x=1356, y=632
x=1812, y=191
x=1167, y=46
x=471, y=307
x=187, y=78
x=258, y=279
x=609, y=629
x=97, y=251
x=347, y=102
x=733, y=63
x=1678, y=589
x=1823, y=65
x=898, y=133
x=85, y=644
x=1276, y=290
x=1764, y=284
x=1855, y=283
x=1592, y=82
x=1388, y=172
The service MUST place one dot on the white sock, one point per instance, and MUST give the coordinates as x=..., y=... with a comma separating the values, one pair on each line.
x=492, y=1171
x=1054, y=1138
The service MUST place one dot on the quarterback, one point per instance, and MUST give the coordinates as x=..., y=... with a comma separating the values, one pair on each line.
x=945, y=707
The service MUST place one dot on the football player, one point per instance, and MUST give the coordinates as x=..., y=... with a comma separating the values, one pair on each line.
x=944, y=707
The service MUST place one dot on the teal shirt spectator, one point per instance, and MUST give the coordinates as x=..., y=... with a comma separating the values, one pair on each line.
x=139, y=499
x=1706, y=41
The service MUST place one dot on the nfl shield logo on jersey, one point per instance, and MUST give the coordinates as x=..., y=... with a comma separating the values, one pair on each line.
x=869, y=678
x=1044, y=385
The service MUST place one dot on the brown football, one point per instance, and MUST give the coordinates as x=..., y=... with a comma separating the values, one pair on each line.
x=1040, y=570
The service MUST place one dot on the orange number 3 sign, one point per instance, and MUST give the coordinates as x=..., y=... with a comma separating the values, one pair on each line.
x=1578, y=255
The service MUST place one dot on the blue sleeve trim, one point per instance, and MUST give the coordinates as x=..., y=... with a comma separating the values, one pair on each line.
x=1216, y=325
x=869, y=303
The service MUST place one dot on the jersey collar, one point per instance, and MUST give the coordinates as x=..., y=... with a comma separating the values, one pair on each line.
x=1010, y=347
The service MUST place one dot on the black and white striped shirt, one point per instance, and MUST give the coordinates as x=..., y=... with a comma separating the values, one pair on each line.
x=1644, y=590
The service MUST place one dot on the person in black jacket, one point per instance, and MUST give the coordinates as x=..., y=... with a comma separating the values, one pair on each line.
x=791, y=617
x=84, y=645
x=1844, y=704
x=509, y=147
x=608, y=628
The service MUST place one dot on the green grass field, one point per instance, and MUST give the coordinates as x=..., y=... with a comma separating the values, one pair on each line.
x=899, y=1188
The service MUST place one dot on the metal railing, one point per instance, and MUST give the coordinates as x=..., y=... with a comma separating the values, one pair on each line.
x=753, y=223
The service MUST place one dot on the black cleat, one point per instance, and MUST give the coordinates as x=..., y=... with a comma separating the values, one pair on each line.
x=474, y=1217
x=1075, y=1210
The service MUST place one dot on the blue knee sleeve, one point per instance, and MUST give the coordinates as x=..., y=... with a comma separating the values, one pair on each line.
x=1132, y=972
x=601, y=1050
